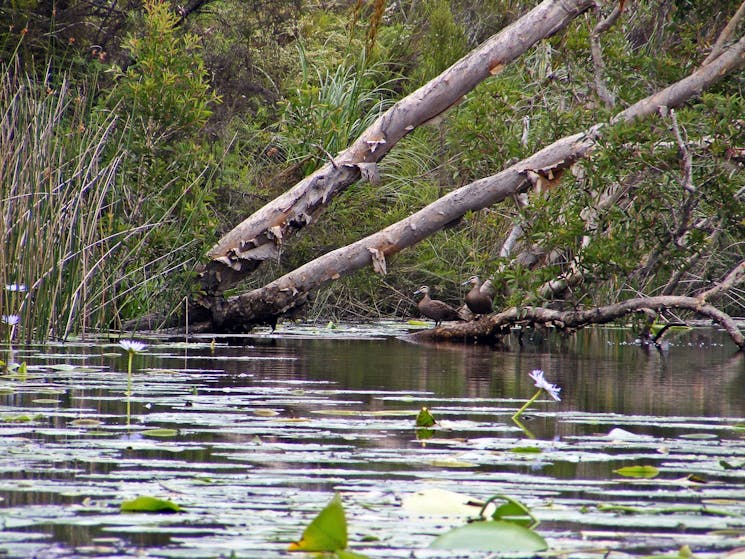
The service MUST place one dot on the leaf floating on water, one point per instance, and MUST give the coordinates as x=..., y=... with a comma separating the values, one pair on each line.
x=424, y=418
x=491, y=535
x=452, y=463
x=160, y=433
x=730, y=466
x=145, y=503
x=441, y=502
x=265, y=413
x=698, y=436
x=642, y=472
x=527, y=450
x=326, y=532
x=85, y=422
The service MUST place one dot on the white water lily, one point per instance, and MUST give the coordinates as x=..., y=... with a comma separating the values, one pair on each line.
x=132, y=346
x=11, y=319
x=540, y=382
x=15, y=287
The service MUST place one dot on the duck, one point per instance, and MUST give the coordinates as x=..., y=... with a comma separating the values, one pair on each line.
x=434, y=308
x=479, y=298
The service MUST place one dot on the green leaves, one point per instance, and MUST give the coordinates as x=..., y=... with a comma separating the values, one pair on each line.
x=645, y=472
x=424, y=418
x=327, y=531
x=149, y=504
x=491, y=535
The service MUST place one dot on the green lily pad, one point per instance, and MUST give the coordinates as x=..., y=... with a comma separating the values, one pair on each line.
x=527, y=450
x=145, y=503
x=160, y=433
x=491, y=535
x=326, y=532
x=642, y=472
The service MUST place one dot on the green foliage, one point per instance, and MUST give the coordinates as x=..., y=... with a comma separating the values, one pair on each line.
x=327, y=531
x=443, y=42
x=165, y=88
x=493, y=536
x=145, y=503
x=167, y=181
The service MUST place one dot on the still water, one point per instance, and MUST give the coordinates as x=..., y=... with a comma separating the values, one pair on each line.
x=252, y=436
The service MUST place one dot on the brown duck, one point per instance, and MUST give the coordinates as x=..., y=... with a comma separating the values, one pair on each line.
x=435, y=309
x=478, y=299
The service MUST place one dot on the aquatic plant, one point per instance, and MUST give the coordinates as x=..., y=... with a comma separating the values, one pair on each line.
x=131, y=347
x=11, y=320
x=543, y=386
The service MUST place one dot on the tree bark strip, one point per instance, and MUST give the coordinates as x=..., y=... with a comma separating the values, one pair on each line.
x=260, y=236
x=264, y=305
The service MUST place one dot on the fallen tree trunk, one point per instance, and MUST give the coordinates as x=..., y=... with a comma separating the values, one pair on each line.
x=493, y=327
x=259, y=237
x=264, y=305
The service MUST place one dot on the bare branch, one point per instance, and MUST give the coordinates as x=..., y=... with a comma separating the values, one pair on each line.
x=726, y=35
x=497, y=325
x=734, y=277
x=605, y=94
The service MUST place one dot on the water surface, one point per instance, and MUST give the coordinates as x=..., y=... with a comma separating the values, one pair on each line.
x=260, y=431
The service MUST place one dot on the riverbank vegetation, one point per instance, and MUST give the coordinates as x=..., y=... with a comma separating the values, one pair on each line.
x=135, y=136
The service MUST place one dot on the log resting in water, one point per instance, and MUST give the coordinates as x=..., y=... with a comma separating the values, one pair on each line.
x=495, y=327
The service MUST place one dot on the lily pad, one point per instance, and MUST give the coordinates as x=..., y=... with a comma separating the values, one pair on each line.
x=164, y=433
x=491, y=535
x=145, y=503
x=645, y=472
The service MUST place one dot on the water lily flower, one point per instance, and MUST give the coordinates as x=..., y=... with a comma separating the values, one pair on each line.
x=542, y=383
x=15, y=287
x=11, y=319
x=132, y=346
x=543, y=386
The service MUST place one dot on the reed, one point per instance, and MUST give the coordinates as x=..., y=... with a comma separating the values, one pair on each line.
x=58, y=163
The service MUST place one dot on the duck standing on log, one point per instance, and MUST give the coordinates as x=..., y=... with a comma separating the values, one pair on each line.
x=479, y=298
x=435, y=309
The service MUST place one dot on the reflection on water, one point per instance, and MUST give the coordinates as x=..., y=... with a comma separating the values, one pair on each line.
x=272, y=424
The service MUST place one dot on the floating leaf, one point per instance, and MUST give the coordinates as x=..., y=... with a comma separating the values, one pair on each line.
x=491, y=535
x=85, y=422
x=160, y=433
x=424, y=418
x=527, y=450
x=326, y=532
x=441, y=502
x=513, y=511
x=730, y=466
x=261, y=412
x=149, y=504
x=646, y=472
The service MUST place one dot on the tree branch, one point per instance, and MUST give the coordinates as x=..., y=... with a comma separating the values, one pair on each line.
x=258, y=238
x=497, y=325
